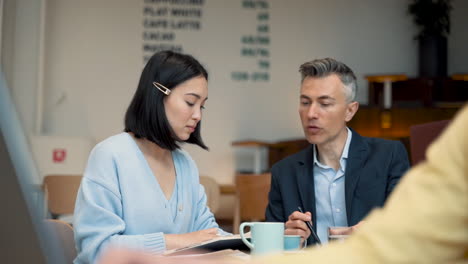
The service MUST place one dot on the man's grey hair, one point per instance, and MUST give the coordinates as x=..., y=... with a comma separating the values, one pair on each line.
x=325, y=67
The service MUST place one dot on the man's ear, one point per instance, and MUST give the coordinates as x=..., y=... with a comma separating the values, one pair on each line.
x=351, y=110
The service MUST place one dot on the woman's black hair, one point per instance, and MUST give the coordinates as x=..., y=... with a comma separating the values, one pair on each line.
x=146, y=116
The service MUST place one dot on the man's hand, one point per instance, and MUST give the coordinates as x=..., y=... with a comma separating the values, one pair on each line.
x=296, y=225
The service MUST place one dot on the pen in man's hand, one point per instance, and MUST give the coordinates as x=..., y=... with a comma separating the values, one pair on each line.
x=311, y=228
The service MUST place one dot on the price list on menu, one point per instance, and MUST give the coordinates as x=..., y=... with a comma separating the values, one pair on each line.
x=255, y=47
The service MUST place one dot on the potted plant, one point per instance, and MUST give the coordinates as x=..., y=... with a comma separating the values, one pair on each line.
x=433, y=20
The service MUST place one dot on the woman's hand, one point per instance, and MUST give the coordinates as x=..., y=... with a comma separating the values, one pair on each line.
x=346, y=230
x=187, y=239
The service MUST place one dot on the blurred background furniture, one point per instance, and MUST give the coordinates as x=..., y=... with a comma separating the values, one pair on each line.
x=460, y=77
x=63, y=232
x=367, y=120
x=281, y=149
x=252, y=198
x=258, y=148
x=383, y=97
x=212, y=191
x=418, y=92
x=421, y=136
x=60, y=194
x=227, y=201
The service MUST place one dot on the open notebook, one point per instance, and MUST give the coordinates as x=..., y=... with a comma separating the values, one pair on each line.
x=233, y=242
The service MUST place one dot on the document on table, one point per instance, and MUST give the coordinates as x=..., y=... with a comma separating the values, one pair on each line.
x=233, y=242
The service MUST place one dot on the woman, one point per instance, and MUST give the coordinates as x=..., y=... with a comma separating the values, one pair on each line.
x=139, y=189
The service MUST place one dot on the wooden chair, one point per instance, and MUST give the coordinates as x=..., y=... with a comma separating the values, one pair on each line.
x=421, y=136
x=212, y=191
x=60, y=193
x=252, y=198
x=63, y=233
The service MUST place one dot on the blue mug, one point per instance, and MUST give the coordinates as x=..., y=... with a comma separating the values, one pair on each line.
x=266, y=237
x=292, y=242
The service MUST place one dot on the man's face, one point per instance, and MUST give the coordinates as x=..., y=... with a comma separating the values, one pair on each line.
x=323, y=108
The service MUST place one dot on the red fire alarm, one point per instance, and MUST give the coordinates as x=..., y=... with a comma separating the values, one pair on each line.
x=59, y=155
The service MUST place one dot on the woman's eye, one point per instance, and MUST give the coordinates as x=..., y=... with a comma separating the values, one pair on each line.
x=202, y=107
x=190, y=104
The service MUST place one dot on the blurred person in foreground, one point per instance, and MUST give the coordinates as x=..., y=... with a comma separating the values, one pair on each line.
x=140, y=190
x=425, y=220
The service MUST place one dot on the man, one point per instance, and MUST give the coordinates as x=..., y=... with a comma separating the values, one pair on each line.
x=341, y=176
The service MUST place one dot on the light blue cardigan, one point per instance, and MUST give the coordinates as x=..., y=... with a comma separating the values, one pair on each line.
x=120, y=202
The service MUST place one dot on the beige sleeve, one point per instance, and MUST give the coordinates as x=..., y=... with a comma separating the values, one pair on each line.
x=424, y=221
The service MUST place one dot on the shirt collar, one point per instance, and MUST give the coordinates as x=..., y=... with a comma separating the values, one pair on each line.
x=344, y=155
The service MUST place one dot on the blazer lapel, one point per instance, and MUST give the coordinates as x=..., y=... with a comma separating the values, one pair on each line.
x=357, y=157
x=305, y=182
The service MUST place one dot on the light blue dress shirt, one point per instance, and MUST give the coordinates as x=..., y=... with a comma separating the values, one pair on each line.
x=330, y=193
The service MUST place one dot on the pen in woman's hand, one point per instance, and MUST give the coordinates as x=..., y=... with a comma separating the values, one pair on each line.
x=311, y=228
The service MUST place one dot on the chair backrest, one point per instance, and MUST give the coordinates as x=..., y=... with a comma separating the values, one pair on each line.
x=60, y=193
x=212, y=191
x=63, y=233
x=421, y=136
x=252, y=191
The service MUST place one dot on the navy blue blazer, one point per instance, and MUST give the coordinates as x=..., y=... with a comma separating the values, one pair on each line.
x=373, y=168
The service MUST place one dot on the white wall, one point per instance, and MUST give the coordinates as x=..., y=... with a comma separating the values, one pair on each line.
x=19, y=55
x=93, y=59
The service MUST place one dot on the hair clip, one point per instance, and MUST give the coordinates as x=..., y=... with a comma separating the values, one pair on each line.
x=162, y=88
